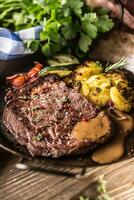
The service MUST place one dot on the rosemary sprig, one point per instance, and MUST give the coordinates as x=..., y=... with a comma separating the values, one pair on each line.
x=119, y=65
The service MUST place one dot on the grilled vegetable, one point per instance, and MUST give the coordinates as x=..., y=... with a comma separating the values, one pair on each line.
x=59, y=70
x=34, y=71
x=63, y=60
x=19, y=80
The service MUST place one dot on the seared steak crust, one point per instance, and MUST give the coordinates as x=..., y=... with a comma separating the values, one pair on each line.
x=42, y=114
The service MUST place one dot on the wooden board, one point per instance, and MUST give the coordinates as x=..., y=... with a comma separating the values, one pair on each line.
x=28, y=185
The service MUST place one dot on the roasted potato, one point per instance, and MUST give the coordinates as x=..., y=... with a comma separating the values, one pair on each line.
x=121, y=102
x=118, y=79
x=99, y=81
x=97, y=90
x=99, y=97
x=101, y=88
x=86, y=70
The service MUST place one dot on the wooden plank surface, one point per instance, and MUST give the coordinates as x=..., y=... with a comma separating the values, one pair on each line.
x=28, y=185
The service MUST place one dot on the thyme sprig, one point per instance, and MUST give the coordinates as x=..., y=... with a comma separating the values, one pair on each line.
x=101, y=189
x=119, y=65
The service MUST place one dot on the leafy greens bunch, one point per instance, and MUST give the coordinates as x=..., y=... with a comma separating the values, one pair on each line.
x=68, y=25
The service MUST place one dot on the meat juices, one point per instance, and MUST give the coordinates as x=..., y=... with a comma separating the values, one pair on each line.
x=115, y=149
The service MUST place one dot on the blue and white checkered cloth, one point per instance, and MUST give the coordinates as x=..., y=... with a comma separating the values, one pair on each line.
x=12, y=43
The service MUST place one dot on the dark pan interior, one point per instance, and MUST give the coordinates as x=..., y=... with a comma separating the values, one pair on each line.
x=78, y=161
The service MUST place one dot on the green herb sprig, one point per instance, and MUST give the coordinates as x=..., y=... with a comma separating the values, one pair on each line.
x=119, y=65
x=101, y=189
x=38, y=137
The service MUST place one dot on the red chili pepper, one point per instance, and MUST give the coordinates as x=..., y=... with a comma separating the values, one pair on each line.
x=34, y=71
x=20, y=80
x=10, y=78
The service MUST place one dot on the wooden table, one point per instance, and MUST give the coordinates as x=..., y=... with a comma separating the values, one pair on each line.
x=18, y=184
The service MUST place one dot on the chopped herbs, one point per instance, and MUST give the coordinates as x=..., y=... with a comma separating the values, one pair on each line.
x=35, y=108
x=36, y=119
x=38, y=137
x=34, y=97
x=65, y=99
x=24, y=97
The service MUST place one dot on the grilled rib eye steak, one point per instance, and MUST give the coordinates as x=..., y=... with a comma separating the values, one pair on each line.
x=41, y=116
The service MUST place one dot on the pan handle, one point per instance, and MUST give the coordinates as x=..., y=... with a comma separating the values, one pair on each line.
x=23, y=166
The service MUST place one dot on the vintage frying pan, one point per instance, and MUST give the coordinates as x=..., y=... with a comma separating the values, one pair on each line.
x=11, y=67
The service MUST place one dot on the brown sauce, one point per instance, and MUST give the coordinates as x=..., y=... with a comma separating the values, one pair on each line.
x=95, y=129
x=114, y=150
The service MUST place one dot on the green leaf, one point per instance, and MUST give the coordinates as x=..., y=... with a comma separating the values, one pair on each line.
x=84, y=42
x=76, y=6
x=104, y=24
x=50, y=48
x=66, y=12
x=90, y=17
x=19, y=18
x=53, y=4
x=46, y=49
x=68, y=32
x=87, y=24
x=43, y=36
x=52, y=30
x=34, y=45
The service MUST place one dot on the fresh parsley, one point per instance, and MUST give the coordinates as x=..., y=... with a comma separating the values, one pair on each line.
x=69, y=25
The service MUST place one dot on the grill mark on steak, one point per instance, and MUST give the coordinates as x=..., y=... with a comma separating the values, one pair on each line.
x=50, y=108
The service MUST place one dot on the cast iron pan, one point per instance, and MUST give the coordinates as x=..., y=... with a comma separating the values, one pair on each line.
x=75, y=161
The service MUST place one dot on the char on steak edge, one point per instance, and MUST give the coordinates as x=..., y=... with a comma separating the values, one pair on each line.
x=42, y=114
